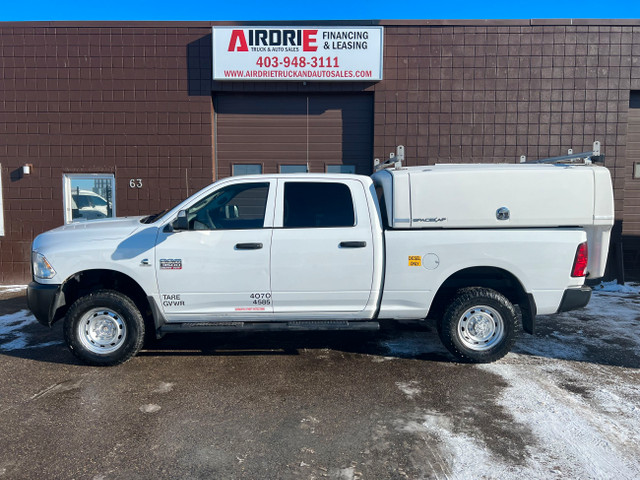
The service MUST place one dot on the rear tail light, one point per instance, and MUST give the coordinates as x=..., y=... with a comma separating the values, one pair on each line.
x=581, y=260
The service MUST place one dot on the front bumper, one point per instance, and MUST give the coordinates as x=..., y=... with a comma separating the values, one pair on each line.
x=40, y=299
x=574, y=298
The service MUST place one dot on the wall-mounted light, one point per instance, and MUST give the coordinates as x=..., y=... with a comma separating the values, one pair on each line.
x=27, y=168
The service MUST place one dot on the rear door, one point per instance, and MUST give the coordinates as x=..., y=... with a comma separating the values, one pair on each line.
x=322, y=248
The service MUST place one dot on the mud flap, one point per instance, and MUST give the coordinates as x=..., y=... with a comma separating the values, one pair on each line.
x=529, y=310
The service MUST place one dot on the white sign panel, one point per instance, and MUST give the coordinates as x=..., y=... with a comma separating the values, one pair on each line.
x=297, y=53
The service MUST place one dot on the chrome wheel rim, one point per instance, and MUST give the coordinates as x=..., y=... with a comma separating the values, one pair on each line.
x=480, y=328
x=102, y=330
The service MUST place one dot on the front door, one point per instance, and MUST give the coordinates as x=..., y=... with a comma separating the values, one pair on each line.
x=219, y=267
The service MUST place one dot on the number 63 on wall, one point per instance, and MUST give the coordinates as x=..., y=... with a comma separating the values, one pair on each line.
x=135, y=183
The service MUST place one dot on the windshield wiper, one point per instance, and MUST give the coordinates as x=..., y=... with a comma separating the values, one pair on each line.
x=154, y=217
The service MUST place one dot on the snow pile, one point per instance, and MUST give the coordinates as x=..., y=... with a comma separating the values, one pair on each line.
x=12, y=336
x=12, y=288
x=613, y=287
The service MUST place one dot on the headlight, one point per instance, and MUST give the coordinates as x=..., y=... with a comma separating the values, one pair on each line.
x=41, y=267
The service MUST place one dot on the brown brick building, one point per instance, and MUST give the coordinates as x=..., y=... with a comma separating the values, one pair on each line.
x=133, y=105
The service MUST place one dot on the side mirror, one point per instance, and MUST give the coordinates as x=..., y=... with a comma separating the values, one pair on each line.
x=180, y=223
x=231, y=212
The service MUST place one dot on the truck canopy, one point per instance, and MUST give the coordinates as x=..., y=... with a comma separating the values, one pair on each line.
x=503, y=196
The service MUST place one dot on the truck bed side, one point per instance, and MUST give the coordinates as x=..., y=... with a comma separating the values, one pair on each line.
x=419, y=262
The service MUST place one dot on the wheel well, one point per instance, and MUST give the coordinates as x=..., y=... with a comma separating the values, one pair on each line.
x=83, y=283
x=490, y=277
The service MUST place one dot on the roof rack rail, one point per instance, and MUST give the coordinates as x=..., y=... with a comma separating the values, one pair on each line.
x=395, y=159
x=585, y=158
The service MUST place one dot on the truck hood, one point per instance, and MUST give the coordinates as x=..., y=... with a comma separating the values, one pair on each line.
x=121, y=244
x=80, y=234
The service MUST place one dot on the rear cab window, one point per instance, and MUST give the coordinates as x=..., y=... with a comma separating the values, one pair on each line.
x=317, y=205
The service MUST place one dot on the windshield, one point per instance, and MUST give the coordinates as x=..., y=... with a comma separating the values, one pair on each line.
x=161, y=214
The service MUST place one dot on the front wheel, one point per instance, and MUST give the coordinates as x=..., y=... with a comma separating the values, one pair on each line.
x=104, y=328
x=479, y=325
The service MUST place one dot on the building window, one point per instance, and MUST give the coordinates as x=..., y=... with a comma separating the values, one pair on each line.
x=341, y=169
x=310, y=204
x=89, y=197
x=1, y=206
x=293, y=169
x=247, y=169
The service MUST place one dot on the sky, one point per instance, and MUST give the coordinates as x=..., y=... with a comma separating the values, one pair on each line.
x=43, y=10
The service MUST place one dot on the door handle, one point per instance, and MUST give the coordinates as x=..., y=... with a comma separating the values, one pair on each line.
x=353, y=244
x=248, y=246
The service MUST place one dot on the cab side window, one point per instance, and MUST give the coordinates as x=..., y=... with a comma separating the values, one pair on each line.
x=317, y=204
x=234, y=207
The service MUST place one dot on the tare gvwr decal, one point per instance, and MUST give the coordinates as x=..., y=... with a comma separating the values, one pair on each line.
x=297, y=53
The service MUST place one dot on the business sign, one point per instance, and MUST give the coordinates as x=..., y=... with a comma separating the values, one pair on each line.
x=297, y=53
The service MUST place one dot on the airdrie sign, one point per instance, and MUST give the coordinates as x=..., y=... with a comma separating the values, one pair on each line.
x=297, y=53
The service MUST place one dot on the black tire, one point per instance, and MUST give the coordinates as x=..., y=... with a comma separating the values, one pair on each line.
x=479, y=325
x=104, y=328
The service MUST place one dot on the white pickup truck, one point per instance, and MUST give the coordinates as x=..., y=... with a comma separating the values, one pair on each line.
x=462, y=244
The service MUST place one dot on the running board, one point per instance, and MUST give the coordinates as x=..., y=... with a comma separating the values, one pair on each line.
x=301, y=325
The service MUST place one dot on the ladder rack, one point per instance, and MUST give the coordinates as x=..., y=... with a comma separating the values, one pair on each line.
x=585, y=158
x=395, y=159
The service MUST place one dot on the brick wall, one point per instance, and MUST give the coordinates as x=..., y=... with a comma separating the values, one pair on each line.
x=493, y=93
x=134, y=101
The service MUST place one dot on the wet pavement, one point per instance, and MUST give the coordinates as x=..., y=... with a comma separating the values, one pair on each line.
x=387, y=405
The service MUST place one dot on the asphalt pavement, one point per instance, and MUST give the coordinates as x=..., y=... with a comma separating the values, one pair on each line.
x=386, y=405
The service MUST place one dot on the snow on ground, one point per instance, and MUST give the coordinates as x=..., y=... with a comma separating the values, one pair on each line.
x=588, y=430
x=12, y=334
x=573, y=388
x=613, y=287
x=12, y=288
x=582, y=406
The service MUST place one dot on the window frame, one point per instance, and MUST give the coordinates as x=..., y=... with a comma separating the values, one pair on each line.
x=233, y=168
x=326, y=168
x=306, y=168
x=67, y=193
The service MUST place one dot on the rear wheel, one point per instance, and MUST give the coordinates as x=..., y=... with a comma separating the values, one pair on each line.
x=104, y=328
x=479, y=325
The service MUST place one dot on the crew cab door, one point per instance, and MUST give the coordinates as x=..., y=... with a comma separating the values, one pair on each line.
x=219, y=267
x=322, y=248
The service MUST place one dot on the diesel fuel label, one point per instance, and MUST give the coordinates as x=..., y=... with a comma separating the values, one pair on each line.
x=415, y=260
x=297, y=53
